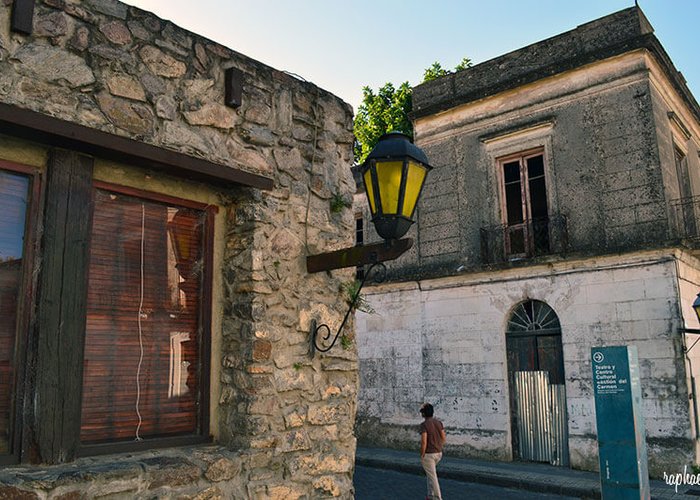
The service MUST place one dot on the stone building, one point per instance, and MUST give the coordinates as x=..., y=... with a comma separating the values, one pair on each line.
x=159, y=194
x=561, y=215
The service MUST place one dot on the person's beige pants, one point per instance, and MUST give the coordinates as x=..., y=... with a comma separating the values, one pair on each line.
x=429, y=461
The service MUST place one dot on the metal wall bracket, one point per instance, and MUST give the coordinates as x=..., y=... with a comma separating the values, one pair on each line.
x=351, y=257
x=23, y=16
x=691, y=331
x=316, y=329
x=233, y=81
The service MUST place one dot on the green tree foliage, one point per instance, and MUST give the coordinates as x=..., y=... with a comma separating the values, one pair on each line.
x=434, y=71
x=380, y=112
x=388, y=110
x=463, y=64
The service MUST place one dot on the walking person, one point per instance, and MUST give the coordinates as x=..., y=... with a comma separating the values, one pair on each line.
x=432, y=437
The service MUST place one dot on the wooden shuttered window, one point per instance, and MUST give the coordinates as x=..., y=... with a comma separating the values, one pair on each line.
x=143, y=371
x=14, y=199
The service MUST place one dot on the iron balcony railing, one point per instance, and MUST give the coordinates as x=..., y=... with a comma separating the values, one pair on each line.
x=532, y=238
x=685, y=214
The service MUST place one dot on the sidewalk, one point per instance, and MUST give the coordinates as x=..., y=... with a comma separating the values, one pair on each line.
x=521, y=475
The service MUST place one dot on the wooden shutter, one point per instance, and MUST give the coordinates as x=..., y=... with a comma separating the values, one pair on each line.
x=56, y=351
x=14, y=196
x=143, y=350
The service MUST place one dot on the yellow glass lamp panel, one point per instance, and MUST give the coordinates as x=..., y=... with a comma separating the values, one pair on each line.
x=389, y=180
x=414, y=182
x=369, y=187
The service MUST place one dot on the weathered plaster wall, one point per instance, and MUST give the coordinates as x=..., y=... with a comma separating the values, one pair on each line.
x=26, y=153
x=443, y=341
x=283, y=423
x=596, y=126
x=676, y=128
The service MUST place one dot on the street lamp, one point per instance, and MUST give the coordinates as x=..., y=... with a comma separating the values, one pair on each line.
x=393, y=174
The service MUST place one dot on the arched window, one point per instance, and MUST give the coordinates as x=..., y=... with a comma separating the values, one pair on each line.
x=533, y=316
x=533, y=339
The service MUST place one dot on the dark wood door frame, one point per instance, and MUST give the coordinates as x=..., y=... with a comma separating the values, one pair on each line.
x=511, y=382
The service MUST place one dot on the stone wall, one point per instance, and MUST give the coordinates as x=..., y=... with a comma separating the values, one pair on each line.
x=282, y=421
x=443, y=341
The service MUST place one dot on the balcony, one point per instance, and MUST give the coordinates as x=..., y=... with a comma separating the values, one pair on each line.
x=685, y=213
x=533, y=238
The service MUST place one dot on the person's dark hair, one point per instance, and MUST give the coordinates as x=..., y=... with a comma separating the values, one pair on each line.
x=426, y=410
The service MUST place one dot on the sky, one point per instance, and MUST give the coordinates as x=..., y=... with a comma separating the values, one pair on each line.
x=343, y=45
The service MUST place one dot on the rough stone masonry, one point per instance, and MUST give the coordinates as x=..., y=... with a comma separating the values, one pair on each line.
x=282, y=422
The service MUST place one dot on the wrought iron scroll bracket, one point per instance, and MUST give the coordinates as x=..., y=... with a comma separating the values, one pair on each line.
x=692, y=331
x=380, y=276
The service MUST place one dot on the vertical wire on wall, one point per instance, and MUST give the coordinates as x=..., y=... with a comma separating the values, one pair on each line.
x=140, y=315
x=311, y=172
x=313, y=158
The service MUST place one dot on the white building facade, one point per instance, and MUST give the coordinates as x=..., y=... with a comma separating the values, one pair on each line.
x=560, y=216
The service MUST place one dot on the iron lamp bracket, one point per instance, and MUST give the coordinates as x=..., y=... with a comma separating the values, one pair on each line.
x=374, y=255
x=380, y=275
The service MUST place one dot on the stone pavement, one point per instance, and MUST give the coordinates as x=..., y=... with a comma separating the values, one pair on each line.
x=521, y=475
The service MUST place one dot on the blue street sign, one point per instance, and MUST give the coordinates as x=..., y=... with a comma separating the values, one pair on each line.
x=618, y=410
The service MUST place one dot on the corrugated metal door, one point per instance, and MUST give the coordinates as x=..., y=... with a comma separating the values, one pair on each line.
x=540, y=418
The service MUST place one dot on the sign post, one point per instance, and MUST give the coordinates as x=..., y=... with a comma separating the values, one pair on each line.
x=621, y=438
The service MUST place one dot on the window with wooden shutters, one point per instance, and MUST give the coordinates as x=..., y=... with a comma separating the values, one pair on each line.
x=144, y=372
x=525, y=211
x=15, y=191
